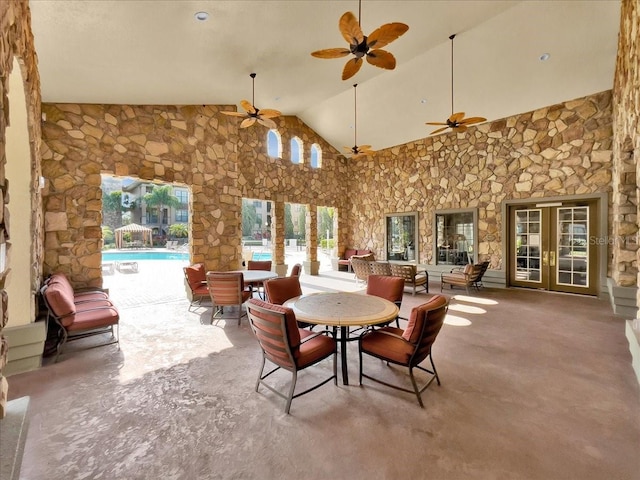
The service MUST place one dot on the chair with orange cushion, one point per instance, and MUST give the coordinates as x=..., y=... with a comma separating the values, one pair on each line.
x=79, y=315
x=227, y=289
x=287, y=346
x=195, y=279
x=295, y=270
x=408, y=347
x=387, y=287
x=279, y=290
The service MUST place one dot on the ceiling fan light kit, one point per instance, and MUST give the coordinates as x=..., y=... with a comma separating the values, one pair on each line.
x=253, y=114
x=456, y=121
x=369, y=47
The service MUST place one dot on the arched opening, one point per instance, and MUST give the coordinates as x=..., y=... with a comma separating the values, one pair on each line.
x=19, y=175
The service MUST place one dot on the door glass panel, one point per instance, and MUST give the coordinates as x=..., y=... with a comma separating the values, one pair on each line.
x=527, y=232
x=573, y=247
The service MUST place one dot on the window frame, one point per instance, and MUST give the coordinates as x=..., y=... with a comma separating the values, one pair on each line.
x=470, y=247
x=406, y=255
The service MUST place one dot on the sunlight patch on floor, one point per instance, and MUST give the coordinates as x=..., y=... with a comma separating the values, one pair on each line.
x=481, y=301
x=458, y=307
x=456, y=321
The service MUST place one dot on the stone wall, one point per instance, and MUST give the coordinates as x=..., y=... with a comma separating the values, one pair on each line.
x=562, y=149
x=626, y=147
x=16, y=39
x=195, y=146
x=188, y=145
x=280, y=181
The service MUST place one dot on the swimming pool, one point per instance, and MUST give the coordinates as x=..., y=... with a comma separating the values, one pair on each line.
x=150, y=255
x=142, y=255
x=261, y=256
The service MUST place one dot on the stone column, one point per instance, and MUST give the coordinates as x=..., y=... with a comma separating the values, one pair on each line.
x=312, y=265
x=277, y=238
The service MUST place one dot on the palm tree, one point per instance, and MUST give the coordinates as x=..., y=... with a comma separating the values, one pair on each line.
x=112, y=209
x=161, y=197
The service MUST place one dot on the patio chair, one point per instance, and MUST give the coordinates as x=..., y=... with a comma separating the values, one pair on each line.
x=408, y=347
x=195, y=279
x=411, y=276
x=361, y=269
x=79, y=315
x=279, y=290
x=288, y=347
x=295, y=270
x=387, y=287
x=227, y=289
x=469, y=276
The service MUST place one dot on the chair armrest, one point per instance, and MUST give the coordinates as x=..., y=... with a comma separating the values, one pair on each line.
x=316, y=334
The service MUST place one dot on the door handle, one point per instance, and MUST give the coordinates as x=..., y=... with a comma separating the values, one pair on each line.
x=552, y=263
x=545, y=258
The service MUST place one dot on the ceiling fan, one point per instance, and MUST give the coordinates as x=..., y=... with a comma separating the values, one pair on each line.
x=361, y=45
x=456, y=121
x=362, y=150
x=253, y=114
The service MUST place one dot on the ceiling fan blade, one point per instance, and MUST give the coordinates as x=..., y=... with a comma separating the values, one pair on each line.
x=246, y=104
x=350, y=29
x=381, y=59
x=269, y=113
x=247, y=122
x=456, y=117
x=364, y=147
x=348, y=149
x=386, y=34
x=460, y=128
x=331, y=53
x=436, y=123
x=235, y=114
x=267, y=122
x=438, y=130
x=471, y=120
x=351, y=68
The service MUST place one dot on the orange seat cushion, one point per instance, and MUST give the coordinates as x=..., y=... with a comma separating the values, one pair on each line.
x=93, y=318
x=314, y=350
x=395, y=349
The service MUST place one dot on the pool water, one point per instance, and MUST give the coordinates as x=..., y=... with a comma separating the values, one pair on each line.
x=133, y=256
x=150, y=255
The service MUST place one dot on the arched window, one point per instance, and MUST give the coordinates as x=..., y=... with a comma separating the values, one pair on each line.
x=274, y=144
x=296, y=150
x=316, y=156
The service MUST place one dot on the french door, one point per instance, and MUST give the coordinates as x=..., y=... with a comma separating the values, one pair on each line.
x=550, y=248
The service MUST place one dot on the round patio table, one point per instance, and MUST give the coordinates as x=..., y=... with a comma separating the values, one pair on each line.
x=343, y=310
x=256, y=277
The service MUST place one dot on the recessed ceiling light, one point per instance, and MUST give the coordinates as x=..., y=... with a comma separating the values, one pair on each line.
x=544, y=57
x=424, y=100
x=201, y=16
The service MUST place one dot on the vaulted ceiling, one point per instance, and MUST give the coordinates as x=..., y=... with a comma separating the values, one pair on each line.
x=156, y=52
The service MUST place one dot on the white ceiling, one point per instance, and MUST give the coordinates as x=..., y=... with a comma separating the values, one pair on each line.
x=155, y=52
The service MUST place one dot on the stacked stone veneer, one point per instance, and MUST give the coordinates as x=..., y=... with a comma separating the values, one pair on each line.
x=16, y=40
x=281, y=181
x=626, y=147
x=559, y=150
x=190, y=145
x=195, y=146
